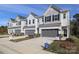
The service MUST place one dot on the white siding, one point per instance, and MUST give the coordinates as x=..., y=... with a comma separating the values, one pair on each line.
x=40, y=21
x=30, y=17
x=64, y=22
x=50, y=11
x=23, y=23
x=17, y=18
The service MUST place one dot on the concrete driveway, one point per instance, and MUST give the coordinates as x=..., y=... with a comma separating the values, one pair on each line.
x=31, y=46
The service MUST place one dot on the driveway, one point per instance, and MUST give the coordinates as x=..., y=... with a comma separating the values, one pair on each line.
x=31, y=46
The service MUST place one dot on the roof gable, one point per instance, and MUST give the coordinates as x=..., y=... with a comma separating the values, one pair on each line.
x=33, y=15
x=55, y=7
x=52, y=9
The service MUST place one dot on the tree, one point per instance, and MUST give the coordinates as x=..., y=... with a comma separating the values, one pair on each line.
x=75, y=25
x=3, y=29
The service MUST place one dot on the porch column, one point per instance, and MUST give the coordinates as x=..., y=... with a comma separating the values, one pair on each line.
x=36, y=26
x=68, y=32
x=44, y=20
x=51, y=18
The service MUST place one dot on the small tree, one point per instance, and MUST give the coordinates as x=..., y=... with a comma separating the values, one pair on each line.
x=75, y=25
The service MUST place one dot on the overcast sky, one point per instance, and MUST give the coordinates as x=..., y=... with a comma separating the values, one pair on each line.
x=8, y=11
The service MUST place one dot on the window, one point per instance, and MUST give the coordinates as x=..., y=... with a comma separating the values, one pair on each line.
x=29, y=21
x=38, y=20
x=19, y=23
x=64, y=16
x=55, y=17
x=48, y=19
x=33, y=21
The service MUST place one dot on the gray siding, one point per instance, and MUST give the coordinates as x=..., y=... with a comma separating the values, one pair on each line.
x=29, y=27
x=50, y=25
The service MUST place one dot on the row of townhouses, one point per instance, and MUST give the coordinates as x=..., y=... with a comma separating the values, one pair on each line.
x=49, y=24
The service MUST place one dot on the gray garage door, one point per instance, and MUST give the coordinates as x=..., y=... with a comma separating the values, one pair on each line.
x=49, y=32
x=29, y=32
x=17, y=31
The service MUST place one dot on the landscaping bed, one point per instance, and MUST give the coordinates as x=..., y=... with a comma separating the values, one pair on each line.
x=68, y=46
x=21, y=39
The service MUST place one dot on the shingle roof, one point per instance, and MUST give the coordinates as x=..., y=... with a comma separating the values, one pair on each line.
x=13, y=20
x=36, y=16
x=21, y=17
x=41, y=16
x=55, y=7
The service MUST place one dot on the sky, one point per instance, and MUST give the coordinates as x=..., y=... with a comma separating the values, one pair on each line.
x=8, y=11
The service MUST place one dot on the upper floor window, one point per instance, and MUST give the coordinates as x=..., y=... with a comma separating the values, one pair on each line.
x=19, y=23
x=55, y=17
x=38, y=20
x=48, y=19
x=33, y=21
x=64, y=15
x=29, y=21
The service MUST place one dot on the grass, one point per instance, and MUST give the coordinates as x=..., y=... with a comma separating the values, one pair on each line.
x=69, y=47
x=76, y=42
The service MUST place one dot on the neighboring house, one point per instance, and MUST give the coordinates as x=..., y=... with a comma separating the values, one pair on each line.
x=53, y=20
x=15, y=25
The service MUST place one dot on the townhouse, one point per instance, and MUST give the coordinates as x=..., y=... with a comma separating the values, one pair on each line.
x=49, y=24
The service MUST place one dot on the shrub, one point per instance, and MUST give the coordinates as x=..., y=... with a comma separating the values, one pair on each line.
x=31, y=36
x=62, y=47
x=70, y=40
x=37, y=35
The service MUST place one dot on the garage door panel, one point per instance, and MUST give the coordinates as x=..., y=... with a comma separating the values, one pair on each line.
x=29, y=32
x=49, y=32
x=17, y=31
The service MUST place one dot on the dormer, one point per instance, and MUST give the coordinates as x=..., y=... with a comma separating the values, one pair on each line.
x=32, y=19
x=20, y=18
x=52, y=14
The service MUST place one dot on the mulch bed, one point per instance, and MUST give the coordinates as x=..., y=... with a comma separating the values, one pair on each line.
x=22, y=39
x=63, y=47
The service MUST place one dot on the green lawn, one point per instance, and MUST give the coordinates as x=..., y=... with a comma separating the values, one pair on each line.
x=76, y=42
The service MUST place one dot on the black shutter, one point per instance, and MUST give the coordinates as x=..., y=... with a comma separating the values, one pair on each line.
x=58, y=16
x=52, y=17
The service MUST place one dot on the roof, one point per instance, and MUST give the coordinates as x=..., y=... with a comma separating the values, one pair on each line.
x=41, y=16
x=36, y=16
x=33, y=14
x=13, y=20
x=21, y=17
x=57, y=8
